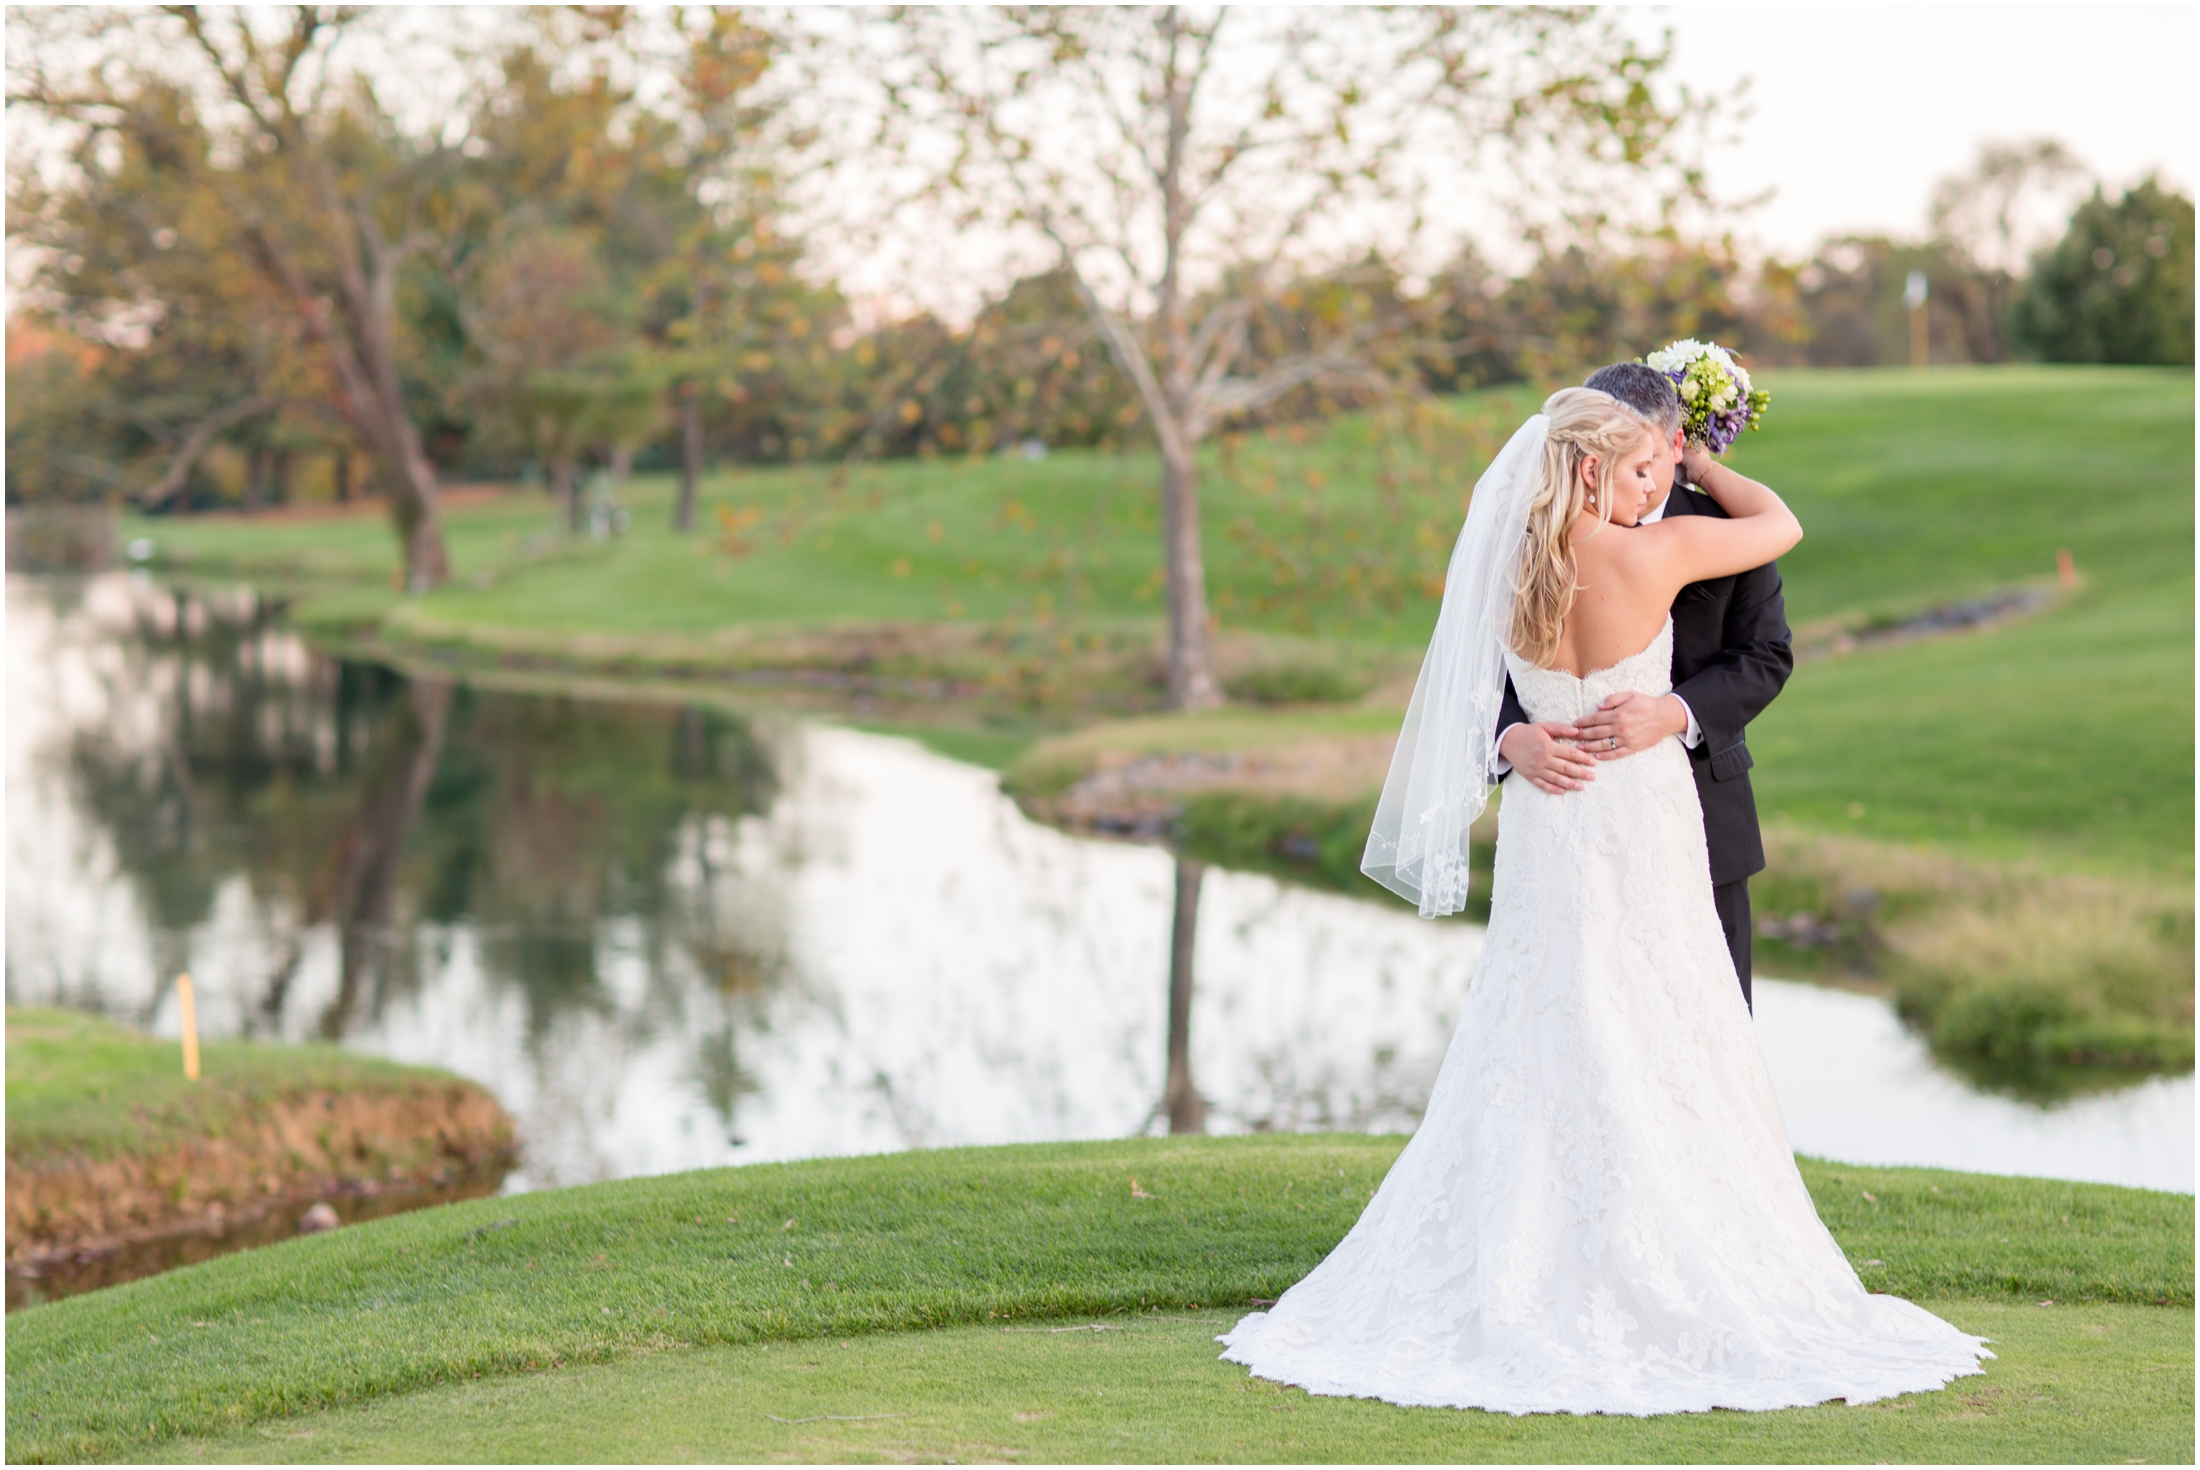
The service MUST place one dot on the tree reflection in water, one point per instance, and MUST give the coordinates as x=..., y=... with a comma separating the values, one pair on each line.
x=1180, y=1101
x=349, y=798
x=642, y=924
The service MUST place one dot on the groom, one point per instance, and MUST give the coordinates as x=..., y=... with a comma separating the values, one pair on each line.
x=1730, y=659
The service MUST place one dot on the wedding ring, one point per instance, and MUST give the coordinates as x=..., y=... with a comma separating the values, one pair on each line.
x=1611, y=742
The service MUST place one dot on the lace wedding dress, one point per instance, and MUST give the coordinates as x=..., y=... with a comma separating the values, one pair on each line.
x=1599, y=1212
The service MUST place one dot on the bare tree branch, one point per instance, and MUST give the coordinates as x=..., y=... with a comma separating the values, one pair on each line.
x=197, y=441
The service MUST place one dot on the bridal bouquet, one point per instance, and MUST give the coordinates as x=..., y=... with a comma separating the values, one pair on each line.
x=1717, y=401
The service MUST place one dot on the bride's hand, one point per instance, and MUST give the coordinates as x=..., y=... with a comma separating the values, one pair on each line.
x=1696, y=462
x=1546, y=756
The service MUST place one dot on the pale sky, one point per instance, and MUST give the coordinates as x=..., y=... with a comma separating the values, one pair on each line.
x=1855, y=111
x=1859, y=109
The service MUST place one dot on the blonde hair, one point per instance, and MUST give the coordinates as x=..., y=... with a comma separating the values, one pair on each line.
x=1585, y=424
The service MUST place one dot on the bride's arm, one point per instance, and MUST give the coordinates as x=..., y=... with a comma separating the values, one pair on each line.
x=1759, y=527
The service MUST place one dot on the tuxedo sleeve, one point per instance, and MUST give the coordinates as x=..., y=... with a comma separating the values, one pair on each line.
x=1510, y=712
x=1751, y=668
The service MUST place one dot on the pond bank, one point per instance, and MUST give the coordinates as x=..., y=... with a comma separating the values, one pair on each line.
x=1065, y=668
x=118, y=1166
x=2028, y=979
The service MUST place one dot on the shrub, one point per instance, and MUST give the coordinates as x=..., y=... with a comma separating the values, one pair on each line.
x=2119, y=287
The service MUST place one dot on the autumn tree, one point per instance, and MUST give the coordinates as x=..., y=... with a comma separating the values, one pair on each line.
x=548, y=328
x=181, y=343
x=1180, y=165
x=320, y=187
x=372, y=173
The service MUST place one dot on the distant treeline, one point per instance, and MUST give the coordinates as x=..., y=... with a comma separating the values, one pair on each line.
x=1029, y=369
x=260, y=313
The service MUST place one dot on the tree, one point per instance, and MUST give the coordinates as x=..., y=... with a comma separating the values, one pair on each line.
x=1986, y=220
x=320, y=188
x=732, y=327
x=1179, y=166
x=183, y=344
x=2118, y=287
x=543, y=316
x=705, y=318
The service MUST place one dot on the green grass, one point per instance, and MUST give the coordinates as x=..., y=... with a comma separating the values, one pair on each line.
x=2064, y=737
x=2060, y=743
x=627, y=1272
x=2098, y=1383
x=81, y=1086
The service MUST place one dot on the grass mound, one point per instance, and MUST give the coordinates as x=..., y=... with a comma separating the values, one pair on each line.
x=80, y=1086
x=834, y=1248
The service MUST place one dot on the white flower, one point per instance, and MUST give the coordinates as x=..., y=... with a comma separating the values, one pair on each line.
x=1679, y=354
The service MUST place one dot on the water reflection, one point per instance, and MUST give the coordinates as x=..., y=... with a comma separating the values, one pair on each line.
x=669, y=938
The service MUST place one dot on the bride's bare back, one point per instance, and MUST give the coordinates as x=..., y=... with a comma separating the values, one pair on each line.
x=1629, y=574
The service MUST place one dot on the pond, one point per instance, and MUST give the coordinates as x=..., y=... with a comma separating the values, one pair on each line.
x=675, y=936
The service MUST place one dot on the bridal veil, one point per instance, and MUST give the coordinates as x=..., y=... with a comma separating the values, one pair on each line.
x=1446, y=758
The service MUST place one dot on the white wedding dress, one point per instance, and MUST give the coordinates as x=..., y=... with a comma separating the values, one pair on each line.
x=1599, y=1213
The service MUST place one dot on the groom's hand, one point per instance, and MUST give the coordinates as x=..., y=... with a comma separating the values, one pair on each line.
x=1544, y=755
x=1626, y=723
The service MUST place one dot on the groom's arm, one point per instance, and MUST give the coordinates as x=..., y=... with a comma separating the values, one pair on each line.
x=1510, y=712
x=1751, y=668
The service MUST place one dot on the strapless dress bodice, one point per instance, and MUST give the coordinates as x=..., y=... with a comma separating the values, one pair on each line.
x=1554, y=694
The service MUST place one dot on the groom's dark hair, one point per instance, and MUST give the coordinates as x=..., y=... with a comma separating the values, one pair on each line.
x=1642, y=388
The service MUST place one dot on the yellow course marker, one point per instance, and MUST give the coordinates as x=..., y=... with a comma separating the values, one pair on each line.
x=189, y=1006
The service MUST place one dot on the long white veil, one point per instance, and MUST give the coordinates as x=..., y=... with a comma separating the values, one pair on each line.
x=1440, y=773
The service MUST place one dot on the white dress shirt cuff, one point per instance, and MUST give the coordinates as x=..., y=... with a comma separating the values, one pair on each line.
x=1693, y=736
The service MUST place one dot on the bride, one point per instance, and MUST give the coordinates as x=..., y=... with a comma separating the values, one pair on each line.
x=1599, y=1212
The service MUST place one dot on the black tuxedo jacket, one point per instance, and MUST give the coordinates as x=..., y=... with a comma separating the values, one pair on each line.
x=1731, y=656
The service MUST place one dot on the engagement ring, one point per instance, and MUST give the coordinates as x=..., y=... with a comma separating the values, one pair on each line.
x=1611, y=742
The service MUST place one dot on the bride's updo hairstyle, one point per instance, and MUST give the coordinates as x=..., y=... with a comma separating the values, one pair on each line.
x=1585, y=424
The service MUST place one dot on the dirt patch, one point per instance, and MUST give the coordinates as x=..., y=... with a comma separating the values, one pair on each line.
x=312, y=1144
x=50, y=1275
x=1143, y=794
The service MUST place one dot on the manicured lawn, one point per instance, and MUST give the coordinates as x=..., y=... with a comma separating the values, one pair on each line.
x=1913, y=488
x=2065, y=737
x=2072, y=1384
x=623, y=1274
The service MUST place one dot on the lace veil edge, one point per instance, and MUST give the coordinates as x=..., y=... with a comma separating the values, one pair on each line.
x=1446, y=756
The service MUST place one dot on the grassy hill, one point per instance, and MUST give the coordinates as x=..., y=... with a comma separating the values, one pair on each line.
x=276, y=1353
x=2068, y=733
